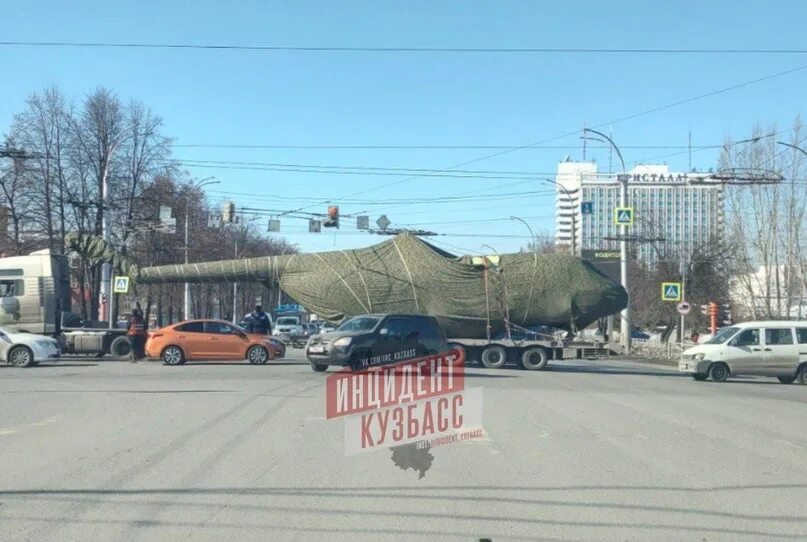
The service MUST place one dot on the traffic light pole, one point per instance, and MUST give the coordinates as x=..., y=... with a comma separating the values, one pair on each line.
x=624, y=329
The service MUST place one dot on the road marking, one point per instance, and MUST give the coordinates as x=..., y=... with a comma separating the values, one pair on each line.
x=41, y=423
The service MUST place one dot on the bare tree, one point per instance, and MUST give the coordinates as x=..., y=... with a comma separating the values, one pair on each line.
x=765, y=224
x=15, y=191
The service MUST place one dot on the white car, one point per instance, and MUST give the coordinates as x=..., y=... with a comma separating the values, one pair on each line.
x=26, y=349
x=771, y=348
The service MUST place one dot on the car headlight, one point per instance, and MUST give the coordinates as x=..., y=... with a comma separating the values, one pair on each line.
x=44, y=343
x=344, y=341
x=699, y=357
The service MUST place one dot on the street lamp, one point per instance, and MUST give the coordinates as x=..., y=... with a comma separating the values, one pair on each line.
x=207, y=181
x=532, y=235
x=624, y=329
x=574, y=213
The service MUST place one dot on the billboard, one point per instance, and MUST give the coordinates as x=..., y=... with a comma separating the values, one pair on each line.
x=605, y=261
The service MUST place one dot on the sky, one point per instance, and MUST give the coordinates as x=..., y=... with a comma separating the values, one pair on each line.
x=431, y=99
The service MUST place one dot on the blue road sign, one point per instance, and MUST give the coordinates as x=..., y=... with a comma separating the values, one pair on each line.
x=587, y=207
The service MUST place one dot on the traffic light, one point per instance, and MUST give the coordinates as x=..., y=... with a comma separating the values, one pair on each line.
x=333, y=217
x=228, y=212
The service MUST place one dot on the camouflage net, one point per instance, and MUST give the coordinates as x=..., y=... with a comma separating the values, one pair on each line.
x=96, y=249
x=407, y=275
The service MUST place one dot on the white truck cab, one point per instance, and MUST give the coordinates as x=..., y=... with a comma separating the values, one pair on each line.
x=288, y=325
x=767, y=348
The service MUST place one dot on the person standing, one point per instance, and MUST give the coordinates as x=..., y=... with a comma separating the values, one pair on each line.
x=260, y=321
x=136, y=330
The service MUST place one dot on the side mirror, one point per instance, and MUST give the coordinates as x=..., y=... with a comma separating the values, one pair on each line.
x=384, y=331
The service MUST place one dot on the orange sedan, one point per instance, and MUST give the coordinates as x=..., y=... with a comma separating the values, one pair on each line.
x=208, y=340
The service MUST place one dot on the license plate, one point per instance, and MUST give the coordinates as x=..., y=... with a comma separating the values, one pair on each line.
x=317, y=349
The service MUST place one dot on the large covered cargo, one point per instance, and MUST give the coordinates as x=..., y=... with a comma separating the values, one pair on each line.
x=472, y=297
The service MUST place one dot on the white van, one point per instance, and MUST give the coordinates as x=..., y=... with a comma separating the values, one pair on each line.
x=775, y=348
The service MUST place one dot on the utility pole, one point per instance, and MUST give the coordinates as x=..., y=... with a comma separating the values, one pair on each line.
x=186, y=305
x=235, y=286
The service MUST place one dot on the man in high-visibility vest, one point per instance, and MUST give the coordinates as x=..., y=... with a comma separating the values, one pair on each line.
x=136, y=330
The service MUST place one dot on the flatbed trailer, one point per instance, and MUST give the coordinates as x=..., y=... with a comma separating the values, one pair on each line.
x=530, y=354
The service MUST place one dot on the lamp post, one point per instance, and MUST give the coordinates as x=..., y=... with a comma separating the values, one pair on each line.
x=574, y=213
x=186, y=306
x=532, y=235
x=624, y=329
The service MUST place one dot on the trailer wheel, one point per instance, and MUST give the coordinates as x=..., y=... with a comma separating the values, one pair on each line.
x=493, y=357
x=461, y=350
x=121, y=347
x=534, y=359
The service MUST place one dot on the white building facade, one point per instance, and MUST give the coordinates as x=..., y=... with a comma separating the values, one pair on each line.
x=679, y=207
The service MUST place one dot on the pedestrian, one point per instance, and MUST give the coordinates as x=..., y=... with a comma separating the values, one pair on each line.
x=695, y=336
x=136, y=330
x=260, y=321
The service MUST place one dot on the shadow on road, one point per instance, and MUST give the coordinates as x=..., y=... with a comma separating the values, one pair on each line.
x=611, y=371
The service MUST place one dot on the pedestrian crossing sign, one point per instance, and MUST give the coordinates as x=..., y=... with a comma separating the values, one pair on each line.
x=623, y=216
x=671, y=291
x=120, y=285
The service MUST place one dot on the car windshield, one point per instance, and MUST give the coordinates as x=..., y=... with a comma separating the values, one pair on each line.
x=723, y=335
x=288, y=321
x=360, y=323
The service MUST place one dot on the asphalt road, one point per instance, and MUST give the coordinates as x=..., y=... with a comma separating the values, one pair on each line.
x=100, y=451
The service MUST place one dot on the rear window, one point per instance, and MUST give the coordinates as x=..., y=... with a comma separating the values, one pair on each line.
x=191, y=327
x=801, y=334
x=778, y=336
x=429, y=329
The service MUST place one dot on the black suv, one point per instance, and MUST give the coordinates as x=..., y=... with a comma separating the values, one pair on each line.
x=376, y=339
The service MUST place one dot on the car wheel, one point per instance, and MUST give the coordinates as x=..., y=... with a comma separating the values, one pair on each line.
x=173, y=355
x=493, y=357
x=534, y=359
x=787, y=379
x=257, y=355
x=20, y=356
x=318, y=367
x=719, y=372
x=700, y=377
x=802, y=376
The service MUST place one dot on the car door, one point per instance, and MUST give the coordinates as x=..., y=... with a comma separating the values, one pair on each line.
x=781, y=352
x=745, y=352
x=399, y=337
x=801, y=348
x=432, y=338
x=190, y=336
x=225, y=341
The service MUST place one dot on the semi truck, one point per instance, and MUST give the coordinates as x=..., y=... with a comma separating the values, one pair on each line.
x=35, y=297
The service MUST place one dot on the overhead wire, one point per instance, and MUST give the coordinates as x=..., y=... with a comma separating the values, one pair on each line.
x=365, y=49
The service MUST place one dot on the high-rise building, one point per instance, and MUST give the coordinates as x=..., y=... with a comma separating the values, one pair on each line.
x=682, y=208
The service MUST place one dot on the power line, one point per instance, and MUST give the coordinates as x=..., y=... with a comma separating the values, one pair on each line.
x=615, y=121
x=415, y=147
x=338, y=49
x=359, y=168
